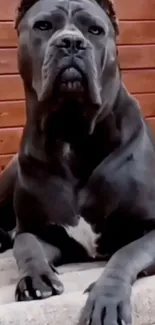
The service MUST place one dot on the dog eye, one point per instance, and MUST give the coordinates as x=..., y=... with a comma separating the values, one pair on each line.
x=96, y=30
x=43, y=25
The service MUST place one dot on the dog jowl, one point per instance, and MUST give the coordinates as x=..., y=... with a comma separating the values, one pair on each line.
x=86, y=160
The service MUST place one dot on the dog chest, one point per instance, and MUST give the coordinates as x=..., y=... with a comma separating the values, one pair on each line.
x=84, y=234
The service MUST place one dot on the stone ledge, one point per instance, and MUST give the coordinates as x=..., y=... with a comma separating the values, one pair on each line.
x=66, y=308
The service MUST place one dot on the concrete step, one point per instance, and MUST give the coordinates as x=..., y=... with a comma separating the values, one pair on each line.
x=65, y=309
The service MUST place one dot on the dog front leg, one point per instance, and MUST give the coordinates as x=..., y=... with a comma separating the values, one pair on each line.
x=37, y=279
x=108, y=302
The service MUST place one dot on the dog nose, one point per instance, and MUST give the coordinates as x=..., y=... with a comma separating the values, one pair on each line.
x=72, y=43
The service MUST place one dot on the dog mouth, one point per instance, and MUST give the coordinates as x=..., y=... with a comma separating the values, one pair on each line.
x=75, y=88
x=71, y=81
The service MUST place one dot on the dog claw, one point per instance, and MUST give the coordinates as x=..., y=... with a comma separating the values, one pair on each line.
x=38, y=294
x=26, y=293
x=47, y=294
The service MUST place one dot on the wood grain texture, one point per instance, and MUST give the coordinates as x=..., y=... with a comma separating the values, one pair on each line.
x=8, y=9
x=137, y=81
x=137, y=32
x=12, y=113
x=137, y=60
x=4, y=160
x=151, y=122
x=147, y=103
x=8, y=61
x=11, y=87
x=131, y=57
x=9, y=140
x=8, y=36
x=137, y=56
x=141, y=9
x=126, y=9
x=143, y=33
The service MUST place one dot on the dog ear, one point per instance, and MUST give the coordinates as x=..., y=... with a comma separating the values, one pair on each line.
x=108, y=6
x=22, y=8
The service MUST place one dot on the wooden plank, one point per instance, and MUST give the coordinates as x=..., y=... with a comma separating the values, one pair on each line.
x=9, y=140
x=143, y=9
x=143, y=33
x=139, y=81
x=151, y=121
x=137, y=32
x=4, y=160
x=8, y=9
x=12, y=113
x=131, y=57
x=11, y=87
x=8, y=36
x=137, y=56
x=147, y=103
x=8, y=61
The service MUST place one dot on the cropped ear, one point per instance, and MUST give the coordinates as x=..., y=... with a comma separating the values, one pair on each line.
x=22, y=8
x=108, y=6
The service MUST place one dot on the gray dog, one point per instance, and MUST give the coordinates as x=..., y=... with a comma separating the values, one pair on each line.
x=83, y=185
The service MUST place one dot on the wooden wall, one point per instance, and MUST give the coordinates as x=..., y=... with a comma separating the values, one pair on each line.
x=137, y=56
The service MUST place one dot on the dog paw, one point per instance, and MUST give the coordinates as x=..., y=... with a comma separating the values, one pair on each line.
x=107, y=307
x=38, y=285
x=90, y=287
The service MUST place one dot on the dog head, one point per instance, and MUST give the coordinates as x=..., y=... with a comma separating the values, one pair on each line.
x=67, y=53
